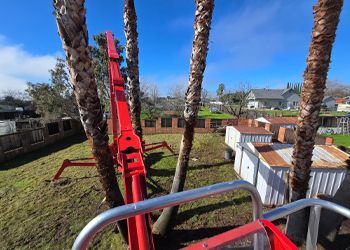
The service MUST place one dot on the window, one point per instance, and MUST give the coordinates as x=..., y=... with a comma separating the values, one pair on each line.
x=53, y=128
x=150, y=123
x=166, y=123
x=180, y=122
x=200, y=123
x=67, y=125
x=215, y=123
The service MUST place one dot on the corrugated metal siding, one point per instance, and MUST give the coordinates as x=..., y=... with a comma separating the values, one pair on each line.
x=322, y=181
x=325, y=182
x=233, y=136
x=271, y=182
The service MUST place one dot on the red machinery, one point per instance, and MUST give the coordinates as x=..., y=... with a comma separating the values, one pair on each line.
x=266, y=235
x=119, y=110
x=128, y=156
x=129, y=151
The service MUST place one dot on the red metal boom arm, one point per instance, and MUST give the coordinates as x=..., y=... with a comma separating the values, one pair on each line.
x=130, y=153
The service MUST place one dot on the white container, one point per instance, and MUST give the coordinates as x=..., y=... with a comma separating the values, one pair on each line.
x=267, y=166
x=7, y=127
x=236, y=134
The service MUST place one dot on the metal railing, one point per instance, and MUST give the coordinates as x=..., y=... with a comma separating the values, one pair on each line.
x=110, y=216
x=315, y=212
x=115, y=214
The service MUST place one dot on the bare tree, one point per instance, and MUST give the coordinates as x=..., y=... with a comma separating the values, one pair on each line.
x=235, y=102
x=337, y=89
x=15, y=98
x=204, y=96
x=176, y=97
x=149, y=99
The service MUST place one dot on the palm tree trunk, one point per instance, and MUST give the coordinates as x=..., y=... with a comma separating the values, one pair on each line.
x=325, y=25
x=202, y=22
x=132, y=61
x=71, y=23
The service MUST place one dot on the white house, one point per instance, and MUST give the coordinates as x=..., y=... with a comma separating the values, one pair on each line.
x=272, y=98
x=328, y=103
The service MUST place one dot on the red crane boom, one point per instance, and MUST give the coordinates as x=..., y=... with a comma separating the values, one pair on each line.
x=129, y=151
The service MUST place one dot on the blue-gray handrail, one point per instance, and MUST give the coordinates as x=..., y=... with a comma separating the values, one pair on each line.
x=112, y=215
x=115, y=214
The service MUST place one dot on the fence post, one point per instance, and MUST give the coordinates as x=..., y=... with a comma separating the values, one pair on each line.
x=60, y=128
x=282, y=135
x=158, y=125
x=25, y=138
x=268, y=126
x=174, y=125
x=2, y=154
x=329, y=141
x=207, y=124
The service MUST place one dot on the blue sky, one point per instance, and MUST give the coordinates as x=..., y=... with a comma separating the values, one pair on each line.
x=261, y=42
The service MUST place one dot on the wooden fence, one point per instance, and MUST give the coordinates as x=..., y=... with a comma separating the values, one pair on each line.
x=16, y=144
x=175, y=125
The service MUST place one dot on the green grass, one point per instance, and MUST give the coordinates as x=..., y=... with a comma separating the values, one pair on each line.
x=341, y=140
x=296, y=113
x=333, y=113
x=279, y=112
x=37, y=214
x=205, y=113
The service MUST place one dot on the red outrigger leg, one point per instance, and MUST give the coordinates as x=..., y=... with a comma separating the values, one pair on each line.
x=90, y=161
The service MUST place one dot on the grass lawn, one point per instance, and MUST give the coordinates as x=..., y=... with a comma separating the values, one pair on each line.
x=296, y=113
x=37, y=214
x=341, y=140
x=279, y=112
x=205, y=113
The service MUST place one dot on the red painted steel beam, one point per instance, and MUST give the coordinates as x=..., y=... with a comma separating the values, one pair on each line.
x=129, y=153
x=156, y=145
x=276, y=239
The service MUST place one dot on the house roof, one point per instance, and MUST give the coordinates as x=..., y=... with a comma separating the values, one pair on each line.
x=280, y=155
x=339, y=100
x=7, y=108
x=328, y=97
x=268, y=93
x=281, y=120
x=252, y=130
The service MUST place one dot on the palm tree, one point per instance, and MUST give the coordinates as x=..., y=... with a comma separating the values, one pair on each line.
x=202, y=22
x=325, y=25
x=132, y=61
x=71, y=23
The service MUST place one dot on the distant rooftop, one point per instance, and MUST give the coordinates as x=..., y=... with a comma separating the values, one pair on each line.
x=7, y=108
x=269, y=93
x=282, y=120
x=252, y=130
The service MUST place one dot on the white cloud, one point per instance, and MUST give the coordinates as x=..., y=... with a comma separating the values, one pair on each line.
x=17, y=66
